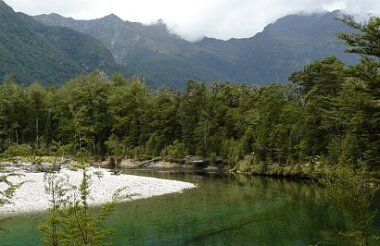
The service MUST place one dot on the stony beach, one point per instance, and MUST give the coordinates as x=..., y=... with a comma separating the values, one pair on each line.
x=32, y=197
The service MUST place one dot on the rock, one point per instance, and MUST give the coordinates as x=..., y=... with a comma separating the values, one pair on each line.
x=128, y=163
x=212, y=168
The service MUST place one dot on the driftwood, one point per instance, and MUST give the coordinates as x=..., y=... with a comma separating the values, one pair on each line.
x=233, y=170
x=146, y=163
x=116, y=172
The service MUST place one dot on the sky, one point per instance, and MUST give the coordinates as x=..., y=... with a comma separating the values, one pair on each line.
x=194, y=19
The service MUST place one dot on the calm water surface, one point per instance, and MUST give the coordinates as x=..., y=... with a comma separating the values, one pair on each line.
x=223, y=210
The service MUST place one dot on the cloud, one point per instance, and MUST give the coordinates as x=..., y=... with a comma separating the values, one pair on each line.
x=194, y=19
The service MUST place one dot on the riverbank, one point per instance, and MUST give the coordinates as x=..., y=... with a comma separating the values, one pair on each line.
x=31, y=196
x=304, y=171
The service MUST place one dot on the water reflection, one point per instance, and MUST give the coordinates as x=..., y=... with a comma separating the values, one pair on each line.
x=223, y=210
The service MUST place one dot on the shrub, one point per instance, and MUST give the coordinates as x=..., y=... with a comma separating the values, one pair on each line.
x=18, y=150
x=177, y=150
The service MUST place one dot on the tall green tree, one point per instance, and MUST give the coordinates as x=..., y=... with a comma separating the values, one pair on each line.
x=164, y=124
x=36, y=96
x=13, y=109
x=85, y=116
x=365, y=38
x=320, y=83
x=365, y=41
x=128, y=105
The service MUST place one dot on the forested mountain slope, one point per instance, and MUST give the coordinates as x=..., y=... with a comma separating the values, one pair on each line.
x=31, y=51
x=164, y=58
x=60, y=48
x=284, y=46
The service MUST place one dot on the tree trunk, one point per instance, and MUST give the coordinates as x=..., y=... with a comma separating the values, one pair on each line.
x=37, y=135
x=16, y=136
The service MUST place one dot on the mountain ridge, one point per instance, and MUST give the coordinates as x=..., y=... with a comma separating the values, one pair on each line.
x=31, y=51
x=165, y=58
x=52, y=49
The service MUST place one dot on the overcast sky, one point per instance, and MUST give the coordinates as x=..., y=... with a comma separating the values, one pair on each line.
x=193, y=19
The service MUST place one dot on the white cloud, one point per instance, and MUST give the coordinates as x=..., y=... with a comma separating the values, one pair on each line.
x=194, y=19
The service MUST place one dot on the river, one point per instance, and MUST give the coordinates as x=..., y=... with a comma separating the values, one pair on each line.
x=222, y=210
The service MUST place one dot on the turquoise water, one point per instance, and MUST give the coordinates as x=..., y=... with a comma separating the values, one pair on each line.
x=223, y=210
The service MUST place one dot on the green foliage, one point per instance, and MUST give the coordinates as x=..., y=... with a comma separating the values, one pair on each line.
x=115, y=146
x=9, y=186
x=70, y=220
x=57, y=188
x=177, y=150
x=366, y=40
x=233, y=151
x=329, y=115
x=7, y=180
x=352, y=195
x=22, y=150
x=31, y=51
x=81, y=227
x=278, y=126
x=324, y=124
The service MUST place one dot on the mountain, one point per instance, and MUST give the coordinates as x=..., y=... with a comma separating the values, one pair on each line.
x=153, y=51
x=31, y=51
x=53, y=49
x=287, y=45
x=164, y=58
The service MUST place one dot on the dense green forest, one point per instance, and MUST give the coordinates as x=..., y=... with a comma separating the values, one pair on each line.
x=329, y=115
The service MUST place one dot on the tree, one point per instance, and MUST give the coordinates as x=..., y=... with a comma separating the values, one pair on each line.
x=269, y=100
x=84, y=118
x=57, y=188
x=189, y=113
x=319, y=86
x=70, y=221
x=36, y=96
x=128, y=105
x=13, y=109
x=365, y=41
x=164, y=124
x=81, y=227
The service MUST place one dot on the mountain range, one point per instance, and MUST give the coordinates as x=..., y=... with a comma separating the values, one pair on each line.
x=54, y=48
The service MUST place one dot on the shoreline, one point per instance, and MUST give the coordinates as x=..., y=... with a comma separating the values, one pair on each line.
x=31, y=196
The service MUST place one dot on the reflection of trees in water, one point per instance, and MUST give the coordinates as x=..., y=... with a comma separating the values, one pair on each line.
x=291, y=189
x=303, y=215
x=226, y=209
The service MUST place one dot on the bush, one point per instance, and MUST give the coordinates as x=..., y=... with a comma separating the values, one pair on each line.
x=18, y=150
x=115, y=146
x=177, y=150
x=65, y=150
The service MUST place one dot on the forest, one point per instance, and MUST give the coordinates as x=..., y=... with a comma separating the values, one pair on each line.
x=328, y=115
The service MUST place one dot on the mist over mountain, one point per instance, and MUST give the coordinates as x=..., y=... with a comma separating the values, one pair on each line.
x=164, y=58
x=52, y=49
x=283, y=47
